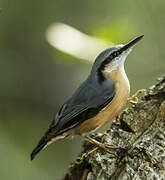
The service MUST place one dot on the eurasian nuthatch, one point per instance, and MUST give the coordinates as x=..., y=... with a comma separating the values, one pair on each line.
x=98, y=100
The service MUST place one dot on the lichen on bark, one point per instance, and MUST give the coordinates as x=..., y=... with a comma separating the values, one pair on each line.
x=141, y=137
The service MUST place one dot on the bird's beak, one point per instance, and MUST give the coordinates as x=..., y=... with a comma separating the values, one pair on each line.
x=131, y=44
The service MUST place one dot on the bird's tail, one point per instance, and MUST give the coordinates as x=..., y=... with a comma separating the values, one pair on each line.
x=46, y=140
x=42, y=143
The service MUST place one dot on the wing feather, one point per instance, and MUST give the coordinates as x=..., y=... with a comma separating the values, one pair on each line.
x=93, y=95
x=85, y=103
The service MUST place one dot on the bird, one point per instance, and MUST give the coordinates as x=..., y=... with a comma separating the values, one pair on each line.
x=100, y=98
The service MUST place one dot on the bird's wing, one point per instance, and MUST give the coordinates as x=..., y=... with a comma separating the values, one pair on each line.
x=93, y=95
x=86, y=102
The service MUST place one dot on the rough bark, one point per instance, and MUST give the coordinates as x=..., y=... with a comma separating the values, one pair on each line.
x=141, y=136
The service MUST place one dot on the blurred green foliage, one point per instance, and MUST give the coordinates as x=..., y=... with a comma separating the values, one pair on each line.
x=34, y=84
x=117, y=31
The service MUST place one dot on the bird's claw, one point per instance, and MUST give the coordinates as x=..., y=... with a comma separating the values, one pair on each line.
x=111, y=146
x=118, y=119
x=134, y=99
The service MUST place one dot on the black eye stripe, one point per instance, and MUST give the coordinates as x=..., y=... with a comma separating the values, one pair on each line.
x=110, y=58
x=113, y=55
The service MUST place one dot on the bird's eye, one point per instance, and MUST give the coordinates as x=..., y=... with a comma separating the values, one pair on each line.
x=115, y=54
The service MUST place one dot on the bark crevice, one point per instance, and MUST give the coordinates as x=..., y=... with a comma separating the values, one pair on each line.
x=141, y=133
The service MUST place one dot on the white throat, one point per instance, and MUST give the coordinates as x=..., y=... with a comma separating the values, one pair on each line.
x=117, y=62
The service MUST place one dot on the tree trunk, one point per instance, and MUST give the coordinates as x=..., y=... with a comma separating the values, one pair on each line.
x=141, y=138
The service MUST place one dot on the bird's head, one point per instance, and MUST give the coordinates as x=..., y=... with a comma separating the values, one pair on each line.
x=114, y=57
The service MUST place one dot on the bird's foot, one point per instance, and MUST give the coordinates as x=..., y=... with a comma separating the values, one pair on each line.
x=118, y=119
x=134, y=99
x=89, y=153
x=105, y=146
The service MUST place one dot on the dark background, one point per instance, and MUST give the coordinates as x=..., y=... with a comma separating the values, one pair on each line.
x=36, y=78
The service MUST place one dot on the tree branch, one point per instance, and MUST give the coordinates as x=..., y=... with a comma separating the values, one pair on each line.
x=141, y=136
